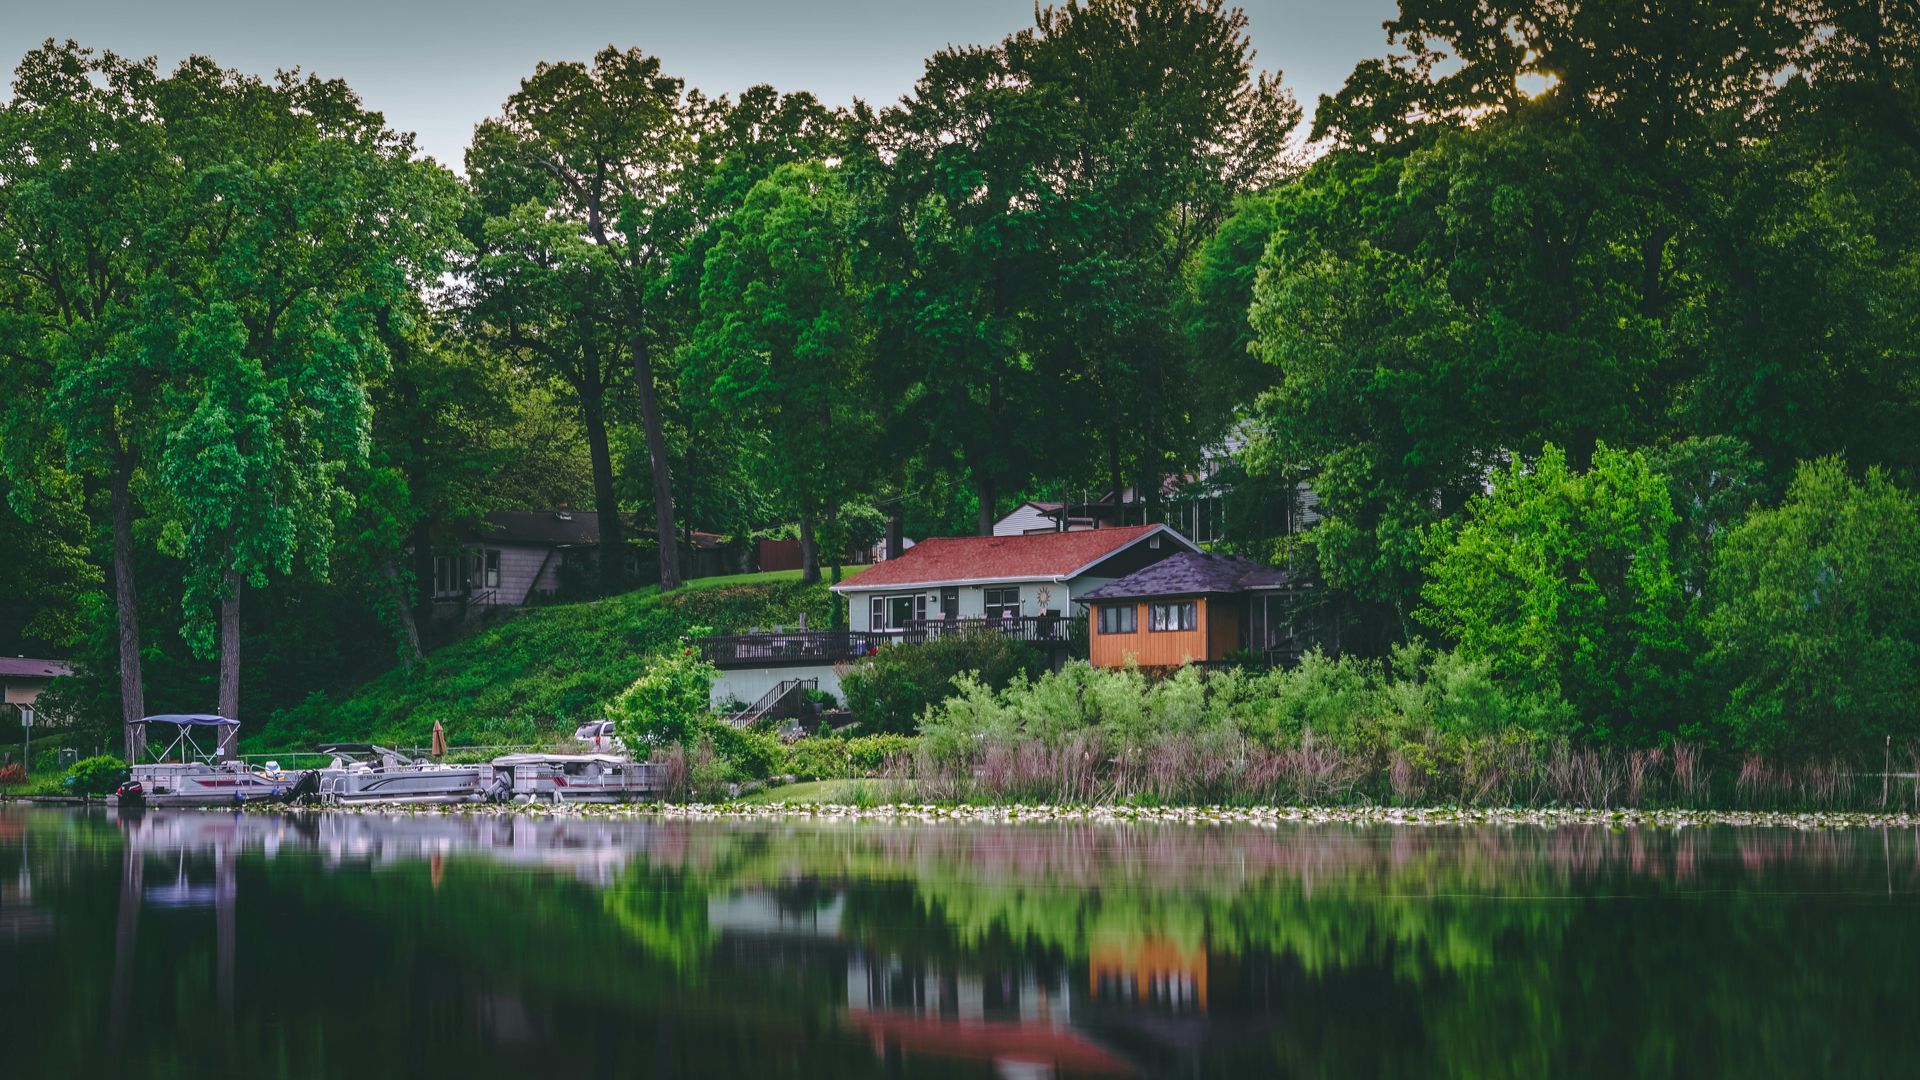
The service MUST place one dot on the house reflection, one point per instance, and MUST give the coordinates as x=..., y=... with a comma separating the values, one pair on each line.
x=1027, y=1018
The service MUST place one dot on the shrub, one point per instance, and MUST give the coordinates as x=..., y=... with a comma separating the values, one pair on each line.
x=1564, y=582
x=753, y=754
x=891, y=690
x=668, y=703
x=831, y=758
x=95, y=775
x=1815, y=618
x=13, y=774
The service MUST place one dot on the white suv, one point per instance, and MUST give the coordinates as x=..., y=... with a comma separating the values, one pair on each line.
x=599, y=736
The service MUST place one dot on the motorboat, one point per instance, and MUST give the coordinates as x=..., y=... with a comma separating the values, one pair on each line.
x=560, y=778
x=366, y=773
x=184, y=773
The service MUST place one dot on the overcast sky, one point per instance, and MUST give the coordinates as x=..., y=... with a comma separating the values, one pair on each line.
x=437, y=67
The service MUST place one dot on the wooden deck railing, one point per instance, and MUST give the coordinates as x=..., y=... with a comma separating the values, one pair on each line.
x=775, y=647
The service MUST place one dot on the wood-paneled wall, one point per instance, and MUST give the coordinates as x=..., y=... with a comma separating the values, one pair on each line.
x=1216, y=633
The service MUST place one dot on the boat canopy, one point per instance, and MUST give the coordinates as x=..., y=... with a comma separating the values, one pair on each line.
x=190, y=720
x=559, y=759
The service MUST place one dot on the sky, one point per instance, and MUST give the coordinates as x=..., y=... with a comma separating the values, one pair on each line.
x=438, y=67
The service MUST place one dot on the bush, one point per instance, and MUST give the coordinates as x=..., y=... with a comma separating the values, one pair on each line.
x=95, y=775
x=752, y=754
x=1814, y=625
x=890, y=691
x=13, y=774
x=831, y=758
x=668, y=703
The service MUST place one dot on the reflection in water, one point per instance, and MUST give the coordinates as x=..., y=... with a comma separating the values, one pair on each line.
x=314, y=945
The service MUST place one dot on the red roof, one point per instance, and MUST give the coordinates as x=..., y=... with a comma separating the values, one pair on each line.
x=951, y=559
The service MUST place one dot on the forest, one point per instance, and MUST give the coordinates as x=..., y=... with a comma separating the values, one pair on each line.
x=1591, y=326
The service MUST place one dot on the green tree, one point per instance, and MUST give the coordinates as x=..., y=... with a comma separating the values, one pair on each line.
x=782, y=343
x=543, y=293
x=670, y=702
x=618, y=148
x=1564, y=582
x=1815, y=616
x=302, y=227
x=85, y=181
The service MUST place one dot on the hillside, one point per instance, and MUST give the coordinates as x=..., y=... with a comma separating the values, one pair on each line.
x=543, y=671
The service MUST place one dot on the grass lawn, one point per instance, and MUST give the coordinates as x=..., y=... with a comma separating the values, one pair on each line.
x=815, y=792
x=534, y=676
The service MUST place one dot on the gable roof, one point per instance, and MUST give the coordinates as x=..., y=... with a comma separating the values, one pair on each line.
x=1192, y=574
x=976, y=560
x=23, y=667
x=562, y=528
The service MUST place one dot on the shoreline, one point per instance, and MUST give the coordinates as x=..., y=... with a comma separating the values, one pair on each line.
x=1041, y=814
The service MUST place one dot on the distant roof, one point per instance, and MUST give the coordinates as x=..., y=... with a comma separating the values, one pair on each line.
x=1192, y=574
x=962, y=560
x=22, y=667
x=562, y=528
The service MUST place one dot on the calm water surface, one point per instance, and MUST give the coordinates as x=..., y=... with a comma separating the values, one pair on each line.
x=205, y=944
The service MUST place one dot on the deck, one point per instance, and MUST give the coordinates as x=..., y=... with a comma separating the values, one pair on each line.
x=772, y=648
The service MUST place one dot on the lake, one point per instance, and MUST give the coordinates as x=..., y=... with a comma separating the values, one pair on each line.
x=187, y=943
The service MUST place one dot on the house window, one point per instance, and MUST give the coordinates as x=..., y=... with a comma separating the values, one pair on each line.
x=1118, y=618
x=492, y=573
x=895, y=612
x=1003, y=603
x=1176, y=616
x=446, y=577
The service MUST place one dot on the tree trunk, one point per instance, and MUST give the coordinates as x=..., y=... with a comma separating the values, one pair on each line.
x=657, y=463
x=133, y=701
x=605, y=505
x=835, y=556
x=423, y=585
x=983, y=487
x=230, y=648
x=1113, y=475
x=809, y=549
x=896, y=533
x=410, y=653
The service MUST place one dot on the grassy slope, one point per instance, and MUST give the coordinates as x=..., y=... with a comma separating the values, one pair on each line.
x=543, y=671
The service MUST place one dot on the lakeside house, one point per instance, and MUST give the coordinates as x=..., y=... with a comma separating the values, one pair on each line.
x=1192, y=607
x=511, y=558
x=1029, y=587
x=23, y=679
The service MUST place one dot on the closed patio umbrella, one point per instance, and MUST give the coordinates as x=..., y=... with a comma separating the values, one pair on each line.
x=439, y=740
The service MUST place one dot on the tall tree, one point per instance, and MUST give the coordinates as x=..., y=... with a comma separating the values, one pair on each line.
x=85, y=178
x=303, y=226
x=782, y=341
x=542, y=292
x=622, y=144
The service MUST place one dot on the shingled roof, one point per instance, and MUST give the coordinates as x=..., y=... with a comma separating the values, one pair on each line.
x=1192, y=574
x=21, y=667
x=964, y=560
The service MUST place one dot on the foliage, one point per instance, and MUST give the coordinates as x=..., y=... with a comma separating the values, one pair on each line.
x=781, y=347
x=13, y=774
x=669, y=701
x=97, y=775
x=754, y=755
x=1564, y=582
x=1815, y=623
x=828, y=757
x=888, y=692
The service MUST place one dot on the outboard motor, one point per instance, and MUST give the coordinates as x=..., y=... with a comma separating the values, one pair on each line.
x=131, y=793
x=501, y=789
x=305, y=788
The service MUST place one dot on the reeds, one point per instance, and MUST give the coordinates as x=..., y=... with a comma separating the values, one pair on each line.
x=1207, y=769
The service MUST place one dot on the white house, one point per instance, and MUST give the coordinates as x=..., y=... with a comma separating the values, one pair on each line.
x=1027, y=587
x=999, y=578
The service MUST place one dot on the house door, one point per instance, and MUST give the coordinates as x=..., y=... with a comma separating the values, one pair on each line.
x=950, y=602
